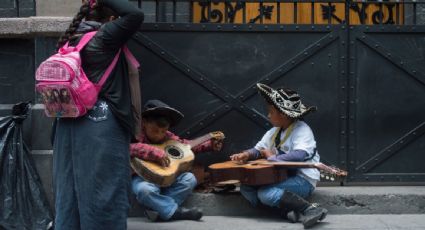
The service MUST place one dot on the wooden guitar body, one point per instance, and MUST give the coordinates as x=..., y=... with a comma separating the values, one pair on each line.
x=181, y=160
x=249, y=174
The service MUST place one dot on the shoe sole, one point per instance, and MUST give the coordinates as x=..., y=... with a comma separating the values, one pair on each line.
x=311, y=222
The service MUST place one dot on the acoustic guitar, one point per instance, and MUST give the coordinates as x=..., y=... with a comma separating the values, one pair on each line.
x=181, y=160
x=262, y=172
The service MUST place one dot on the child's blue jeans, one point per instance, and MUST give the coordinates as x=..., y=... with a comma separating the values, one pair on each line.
x=164, y=200
x=271, y=195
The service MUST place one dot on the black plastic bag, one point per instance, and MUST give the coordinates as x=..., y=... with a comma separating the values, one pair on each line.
x=23, y=202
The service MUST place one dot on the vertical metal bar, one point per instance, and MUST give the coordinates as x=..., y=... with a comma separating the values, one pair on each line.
x=139, y=4
x=261, y=12
x=225, y=11
x=191, y=11
x=209, y=10
x=244, y=13
x=278, y=12
x=329, y=14
x=397, y=13
x=295, y=13
x=347, y=13
x=312, y=12
x=414, y=13
x=156, y=10
x=381, y=14
x=174, y=11
x=17, y=8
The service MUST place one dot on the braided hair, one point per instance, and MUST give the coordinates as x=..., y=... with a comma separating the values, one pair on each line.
x=87, y=12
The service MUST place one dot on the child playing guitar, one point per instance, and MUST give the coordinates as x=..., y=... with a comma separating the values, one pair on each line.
x=163, y=203
x=291, y=139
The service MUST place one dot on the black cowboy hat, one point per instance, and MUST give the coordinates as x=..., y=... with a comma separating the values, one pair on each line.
x=285, y=100
x=159, y=108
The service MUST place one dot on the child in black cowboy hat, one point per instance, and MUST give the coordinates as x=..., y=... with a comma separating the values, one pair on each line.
x=291, y=139
x=163, y=203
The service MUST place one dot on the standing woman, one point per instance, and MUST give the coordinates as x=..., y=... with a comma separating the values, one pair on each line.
x=91, y=153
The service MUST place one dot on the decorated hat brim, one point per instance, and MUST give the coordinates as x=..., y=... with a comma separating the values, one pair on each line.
x=267, y=91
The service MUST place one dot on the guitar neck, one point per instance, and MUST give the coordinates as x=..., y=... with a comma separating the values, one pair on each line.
x=288, y=164
x=197, y=141
x=320, y=166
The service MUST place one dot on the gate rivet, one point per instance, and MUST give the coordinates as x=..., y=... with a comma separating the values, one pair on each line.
x=414, y=71
x=297, y=27
x=312, y=27
x=162, y=52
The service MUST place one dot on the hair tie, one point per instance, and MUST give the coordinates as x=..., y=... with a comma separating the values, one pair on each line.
x=92, y=3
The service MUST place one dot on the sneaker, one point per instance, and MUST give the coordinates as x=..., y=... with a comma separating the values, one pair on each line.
x=187, y=214
x=312, y=214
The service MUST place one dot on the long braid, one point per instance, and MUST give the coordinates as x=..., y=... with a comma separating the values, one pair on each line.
x=84, y=11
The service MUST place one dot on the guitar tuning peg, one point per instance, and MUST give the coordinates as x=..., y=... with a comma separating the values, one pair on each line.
x=322, y=176
x=332, y=178
x=327, y=177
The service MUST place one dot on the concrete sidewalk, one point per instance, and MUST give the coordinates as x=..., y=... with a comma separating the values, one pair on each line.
x=338, y=200
x=346, y=222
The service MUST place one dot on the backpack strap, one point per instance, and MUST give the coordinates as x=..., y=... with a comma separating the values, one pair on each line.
x=130, y=57
x=85, y=39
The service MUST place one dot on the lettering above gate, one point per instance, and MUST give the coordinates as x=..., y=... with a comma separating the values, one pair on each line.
x=364, y=13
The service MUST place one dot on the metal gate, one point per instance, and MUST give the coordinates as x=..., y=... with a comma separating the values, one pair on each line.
x=360, y=63
x=367, y=80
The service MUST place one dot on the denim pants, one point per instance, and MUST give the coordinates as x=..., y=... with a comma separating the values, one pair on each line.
x=271, y=195
x=164, y=200
x=91, y=171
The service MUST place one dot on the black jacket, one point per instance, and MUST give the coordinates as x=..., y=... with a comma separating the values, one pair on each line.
x=98, y=54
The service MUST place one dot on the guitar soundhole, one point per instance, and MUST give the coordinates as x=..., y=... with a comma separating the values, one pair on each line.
x=174, y=152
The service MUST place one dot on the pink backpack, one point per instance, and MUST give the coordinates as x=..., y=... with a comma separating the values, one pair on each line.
x=65, y=89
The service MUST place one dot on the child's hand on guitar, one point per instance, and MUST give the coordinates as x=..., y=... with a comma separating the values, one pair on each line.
x=240, y=157
x=164, y=161
x=217, y=144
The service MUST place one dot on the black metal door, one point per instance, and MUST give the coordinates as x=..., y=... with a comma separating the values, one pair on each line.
x=209, y=73
x=387, y=103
